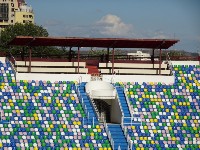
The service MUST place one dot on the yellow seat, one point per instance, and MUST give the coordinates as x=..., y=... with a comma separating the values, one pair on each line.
x=154, y=131
x=184, y=124
x=92, y=134
x=194, y=128
x=51, y=126
x=155, y=120
x=197, y=135
x=98, y=130
x=174, y=106
x=66, y=148
x=17, y=111
x=152, y=142
x=133, y=127
x=1, y=145
x=35, y=148
x=173, y=139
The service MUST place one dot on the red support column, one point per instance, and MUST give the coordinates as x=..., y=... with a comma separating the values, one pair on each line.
x=30, y=52
x=113, y=59
x=160, y=62
x=78, y=58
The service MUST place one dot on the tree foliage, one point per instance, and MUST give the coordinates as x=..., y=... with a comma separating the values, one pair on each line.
x=18, y=29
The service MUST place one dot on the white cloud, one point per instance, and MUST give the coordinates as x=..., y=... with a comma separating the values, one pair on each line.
x=112, y=25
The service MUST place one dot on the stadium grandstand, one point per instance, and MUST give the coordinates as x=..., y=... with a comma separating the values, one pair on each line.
x=116, y=102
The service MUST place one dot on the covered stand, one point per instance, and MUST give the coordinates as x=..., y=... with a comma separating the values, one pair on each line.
x=93, y=42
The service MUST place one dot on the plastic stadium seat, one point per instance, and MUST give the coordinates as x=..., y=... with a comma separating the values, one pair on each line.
x=169, y=113
x=44, y=115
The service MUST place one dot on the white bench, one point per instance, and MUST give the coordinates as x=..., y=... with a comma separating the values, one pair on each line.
x=50, y=64
x=52, y=70
x=131, y=65
x=135, y=71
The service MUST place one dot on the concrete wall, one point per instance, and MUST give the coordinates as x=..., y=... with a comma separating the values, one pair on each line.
x=185, y=62
x=53, y=77
x=2, y=59
x=139, y=78
x=116, y=113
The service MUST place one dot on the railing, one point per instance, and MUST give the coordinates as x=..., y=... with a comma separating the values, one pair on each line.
x=128, y=102
x=109, y=135
x=12, y=62
x=169, y=62
x=95, y=107
x=84, y=106
x=80, y=80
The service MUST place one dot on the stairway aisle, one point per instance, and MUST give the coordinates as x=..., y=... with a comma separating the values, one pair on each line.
x=124, y=105
x=87, y=102
x=92, y=69
x=118, y=136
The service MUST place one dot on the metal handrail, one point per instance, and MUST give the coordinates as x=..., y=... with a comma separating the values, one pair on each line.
x=169, y=62
x=128, y=102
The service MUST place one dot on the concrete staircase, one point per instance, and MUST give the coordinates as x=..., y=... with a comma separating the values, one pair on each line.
x=118, y=136
x=89, y=110
x=123, y=104
x=92, y=69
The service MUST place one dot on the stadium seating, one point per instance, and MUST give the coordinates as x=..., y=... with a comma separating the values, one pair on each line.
x=170, y=114
x=44, y=115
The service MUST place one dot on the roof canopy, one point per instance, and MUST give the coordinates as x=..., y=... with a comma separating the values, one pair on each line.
x=93, y=42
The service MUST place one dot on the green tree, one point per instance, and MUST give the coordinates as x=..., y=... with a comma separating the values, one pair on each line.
x=18, y=29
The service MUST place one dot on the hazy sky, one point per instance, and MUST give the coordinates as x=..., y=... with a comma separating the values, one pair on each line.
x=122, y=18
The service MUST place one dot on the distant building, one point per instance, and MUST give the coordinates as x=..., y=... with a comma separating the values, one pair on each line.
x=15, y=11
x=139, y=55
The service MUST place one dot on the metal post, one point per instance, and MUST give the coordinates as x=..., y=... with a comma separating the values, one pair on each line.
x=108, y=51
x=113, y=53
x=160, y=62
x=153, y=58
x=70, y=54
x=30, y=52
x=78, y=58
